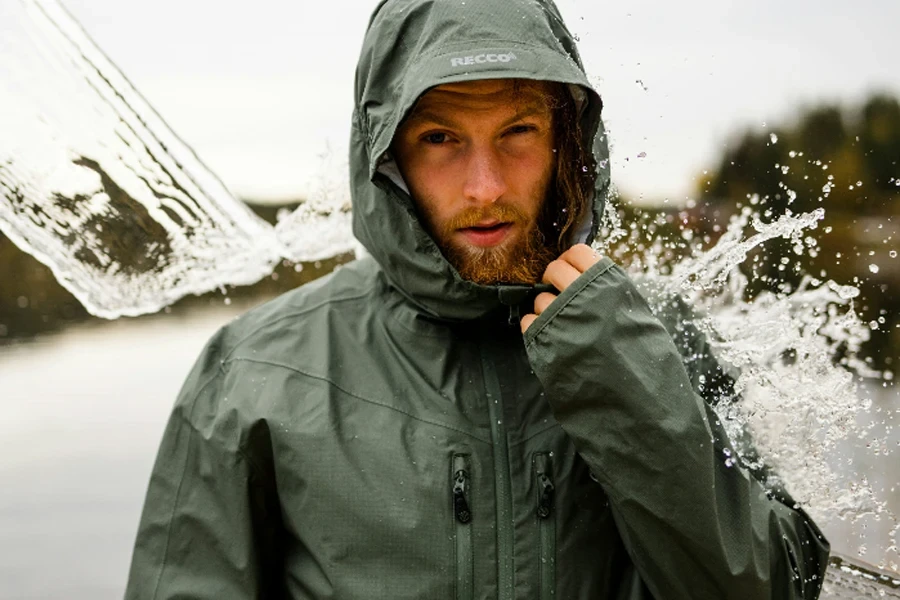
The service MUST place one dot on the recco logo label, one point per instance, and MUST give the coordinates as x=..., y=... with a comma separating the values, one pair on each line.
x=480, y=59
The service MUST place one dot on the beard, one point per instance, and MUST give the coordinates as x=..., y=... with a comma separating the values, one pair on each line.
x=521, y=259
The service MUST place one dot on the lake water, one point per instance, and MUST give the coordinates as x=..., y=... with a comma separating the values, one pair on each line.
x=82, y=414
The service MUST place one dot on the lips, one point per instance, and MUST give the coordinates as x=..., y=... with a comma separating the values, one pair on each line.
x=487, y=233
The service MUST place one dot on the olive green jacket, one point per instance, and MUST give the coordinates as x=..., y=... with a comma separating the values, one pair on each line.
x=387, y=432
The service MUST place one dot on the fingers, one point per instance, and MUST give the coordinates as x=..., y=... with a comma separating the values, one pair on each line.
x=560, y=274
x=580, y=256
x=573, y=262
x=526, y=322
x=542, y=301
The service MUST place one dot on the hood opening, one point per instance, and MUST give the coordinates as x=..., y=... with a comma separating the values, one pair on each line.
x=388, y=167
x=412, y=46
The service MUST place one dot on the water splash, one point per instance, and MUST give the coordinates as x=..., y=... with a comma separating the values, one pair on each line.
x=794, y=354
x=95, y=185
x=320, y=228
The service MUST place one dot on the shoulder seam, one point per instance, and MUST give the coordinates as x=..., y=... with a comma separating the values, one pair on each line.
x=256, y=330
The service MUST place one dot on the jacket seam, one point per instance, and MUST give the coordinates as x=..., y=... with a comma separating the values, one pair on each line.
x=536, y=434
x=239, y=450
x=291, y=316
x=358, y=397
x=187, y=454
x=568, y=301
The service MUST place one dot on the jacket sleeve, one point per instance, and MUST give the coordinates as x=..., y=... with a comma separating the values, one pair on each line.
x=207, y=528
x=695, y=522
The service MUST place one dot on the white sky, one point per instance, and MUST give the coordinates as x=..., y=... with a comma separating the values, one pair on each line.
x=263, y=90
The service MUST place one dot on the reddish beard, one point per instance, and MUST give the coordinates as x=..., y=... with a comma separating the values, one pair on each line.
x=520, y=260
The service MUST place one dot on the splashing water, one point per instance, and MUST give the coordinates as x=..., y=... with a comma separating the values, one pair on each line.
x=95, y=185
x=794, y=356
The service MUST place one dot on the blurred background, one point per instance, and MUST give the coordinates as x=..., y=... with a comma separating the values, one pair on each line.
x=711, y=107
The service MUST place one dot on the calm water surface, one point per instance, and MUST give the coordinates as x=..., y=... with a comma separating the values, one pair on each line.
x=82, y=414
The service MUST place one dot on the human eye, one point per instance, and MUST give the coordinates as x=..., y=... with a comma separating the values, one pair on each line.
x=521, y=128
x=435, y=138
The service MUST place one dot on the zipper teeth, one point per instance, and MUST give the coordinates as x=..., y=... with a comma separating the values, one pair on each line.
x=502, y=483
x=545, y=491
x=465, y=589
x=545, y=495
x=460, y=504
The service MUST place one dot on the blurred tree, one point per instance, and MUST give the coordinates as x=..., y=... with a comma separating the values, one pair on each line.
x=879, y=138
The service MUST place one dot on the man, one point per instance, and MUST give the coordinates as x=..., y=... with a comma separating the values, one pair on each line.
x=483, y=408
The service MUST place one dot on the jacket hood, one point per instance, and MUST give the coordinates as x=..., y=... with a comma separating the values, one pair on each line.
x=411, y=46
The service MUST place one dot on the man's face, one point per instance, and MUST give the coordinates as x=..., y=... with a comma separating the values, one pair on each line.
x=478, y=159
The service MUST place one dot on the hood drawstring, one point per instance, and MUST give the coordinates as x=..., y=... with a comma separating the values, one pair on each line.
x=514, y=296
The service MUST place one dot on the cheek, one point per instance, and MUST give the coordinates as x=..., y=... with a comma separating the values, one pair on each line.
x=529, y=172
x=433, y=192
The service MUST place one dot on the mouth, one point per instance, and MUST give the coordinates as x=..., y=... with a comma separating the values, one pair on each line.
x=487, y=233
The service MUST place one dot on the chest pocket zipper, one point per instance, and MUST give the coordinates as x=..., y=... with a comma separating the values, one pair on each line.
x=462, y=517
x=545, y=493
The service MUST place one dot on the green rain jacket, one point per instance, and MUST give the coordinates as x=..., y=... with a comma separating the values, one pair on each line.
x=387, y=432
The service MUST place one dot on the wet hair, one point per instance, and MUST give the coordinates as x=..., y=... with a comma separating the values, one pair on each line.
x=572, y=184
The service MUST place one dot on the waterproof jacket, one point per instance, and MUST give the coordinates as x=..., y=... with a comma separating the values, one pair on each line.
x=387, y=432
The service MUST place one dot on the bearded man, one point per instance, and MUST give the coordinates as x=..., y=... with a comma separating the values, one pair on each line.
x=400, y=430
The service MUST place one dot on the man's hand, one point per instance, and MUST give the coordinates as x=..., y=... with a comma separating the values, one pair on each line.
x=560, y=274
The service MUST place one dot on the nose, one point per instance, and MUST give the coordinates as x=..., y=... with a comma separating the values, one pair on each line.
x=485, y=182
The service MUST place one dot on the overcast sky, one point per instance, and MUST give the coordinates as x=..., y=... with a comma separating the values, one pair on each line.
x=263, y=90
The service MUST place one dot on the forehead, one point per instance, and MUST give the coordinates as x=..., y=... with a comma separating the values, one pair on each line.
x=514, y=95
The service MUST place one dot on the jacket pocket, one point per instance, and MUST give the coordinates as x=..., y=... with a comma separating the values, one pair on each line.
x=462, y=517
x=546, y=521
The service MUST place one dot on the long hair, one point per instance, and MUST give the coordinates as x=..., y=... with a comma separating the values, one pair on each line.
x=572, y=185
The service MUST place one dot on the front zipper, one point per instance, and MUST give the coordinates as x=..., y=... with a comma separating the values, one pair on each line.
x=545, y=495
x=461, y=499
x=502, y=477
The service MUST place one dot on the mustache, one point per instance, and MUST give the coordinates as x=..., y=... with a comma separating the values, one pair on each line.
x=471, y=217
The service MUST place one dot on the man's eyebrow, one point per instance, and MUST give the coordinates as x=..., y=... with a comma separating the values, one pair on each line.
x=428, y=116
x=530, y=111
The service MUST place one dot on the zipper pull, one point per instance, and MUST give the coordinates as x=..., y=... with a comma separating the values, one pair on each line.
x=514, y=315
x=460, y=505
x=545, y=499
